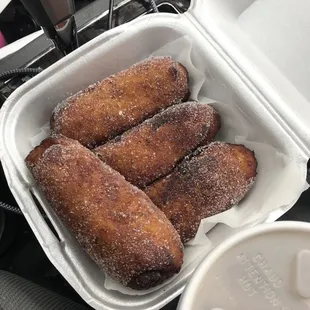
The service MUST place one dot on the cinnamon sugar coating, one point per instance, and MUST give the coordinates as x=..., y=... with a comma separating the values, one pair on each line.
x=121, y=101
x=152, y=149
x=115, y=222
x=214, y=179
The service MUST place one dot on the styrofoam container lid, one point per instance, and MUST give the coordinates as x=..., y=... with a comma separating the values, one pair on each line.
x=265, y=40
x=262, y=268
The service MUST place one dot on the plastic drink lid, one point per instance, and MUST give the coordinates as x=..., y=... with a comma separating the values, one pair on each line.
x=261, y=268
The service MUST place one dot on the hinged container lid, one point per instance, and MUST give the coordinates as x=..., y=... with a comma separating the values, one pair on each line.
x=267, y=41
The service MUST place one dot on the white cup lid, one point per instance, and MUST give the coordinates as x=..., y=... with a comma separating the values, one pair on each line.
x=262, y=268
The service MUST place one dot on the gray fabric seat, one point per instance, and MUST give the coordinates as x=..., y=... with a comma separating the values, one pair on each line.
x=17, y=293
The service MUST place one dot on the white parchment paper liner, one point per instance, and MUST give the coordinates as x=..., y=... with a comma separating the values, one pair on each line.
x=280, y=180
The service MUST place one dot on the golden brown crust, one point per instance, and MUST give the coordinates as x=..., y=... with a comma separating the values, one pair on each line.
x=152, y=149
x=210, y=182
x=115, y=222
x=121, y=101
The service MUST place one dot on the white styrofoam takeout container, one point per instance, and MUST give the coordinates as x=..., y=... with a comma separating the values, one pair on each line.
x=264, y=86
x=263, y=267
